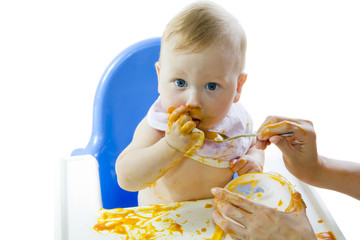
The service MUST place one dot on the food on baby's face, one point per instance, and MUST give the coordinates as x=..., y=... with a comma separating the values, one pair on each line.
x=196, y=114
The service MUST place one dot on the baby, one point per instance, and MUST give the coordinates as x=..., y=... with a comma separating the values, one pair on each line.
x=200, y=78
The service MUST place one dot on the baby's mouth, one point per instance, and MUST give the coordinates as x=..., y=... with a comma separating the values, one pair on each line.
x=195, y=114
x=197, y=122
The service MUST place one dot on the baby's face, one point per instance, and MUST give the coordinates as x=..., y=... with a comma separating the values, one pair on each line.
x=208, y=82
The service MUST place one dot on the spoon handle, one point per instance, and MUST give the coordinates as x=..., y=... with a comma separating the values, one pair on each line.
x=255, y=135
x=226, y=138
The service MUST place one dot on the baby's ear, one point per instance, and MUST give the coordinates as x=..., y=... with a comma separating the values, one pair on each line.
x=240, y=83
x=157, y=68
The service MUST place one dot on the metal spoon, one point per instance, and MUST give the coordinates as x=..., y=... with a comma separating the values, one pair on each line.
x=223, y=138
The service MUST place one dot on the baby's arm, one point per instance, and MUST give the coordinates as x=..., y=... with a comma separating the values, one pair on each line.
x=152, y=153
x=145, y=159
x=252, y=161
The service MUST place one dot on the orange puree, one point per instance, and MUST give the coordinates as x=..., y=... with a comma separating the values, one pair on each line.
x=218, y=234
x=171, y=109
x=137, y=224
x=208, y=205
x=195, y=111
x=326, y=236
x=210, y=135
x=267, y=128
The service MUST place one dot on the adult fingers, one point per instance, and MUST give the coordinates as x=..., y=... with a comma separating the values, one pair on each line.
x=231, y=211
x=270, y=134
x=277, y=128
x=235, y=230
x=235, y=199
x=274, y=125
x=275, y=119
x=261, y=144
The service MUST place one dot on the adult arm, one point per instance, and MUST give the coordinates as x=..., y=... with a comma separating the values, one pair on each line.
x=302, y=159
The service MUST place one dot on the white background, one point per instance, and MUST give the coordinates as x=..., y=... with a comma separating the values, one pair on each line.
x=303, y=61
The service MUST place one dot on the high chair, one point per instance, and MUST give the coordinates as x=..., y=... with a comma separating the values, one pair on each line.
x=88, y=180
x=125, y=92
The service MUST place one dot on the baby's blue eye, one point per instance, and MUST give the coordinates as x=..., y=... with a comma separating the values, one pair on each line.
x=211, y=86
x=180, y=83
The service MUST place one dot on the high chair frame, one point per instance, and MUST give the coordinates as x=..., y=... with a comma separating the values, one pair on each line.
x=125, y=92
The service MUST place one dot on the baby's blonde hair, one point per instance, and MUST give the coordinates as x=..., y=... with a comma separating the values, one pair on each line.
x=203, y=23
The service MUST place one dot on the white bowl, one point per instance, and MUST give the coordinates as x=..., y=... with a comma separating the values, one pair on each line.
x=270, y=189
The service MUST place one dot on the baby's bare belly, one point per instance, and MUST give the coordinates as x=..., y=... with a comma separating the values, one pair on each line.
x=188, y=180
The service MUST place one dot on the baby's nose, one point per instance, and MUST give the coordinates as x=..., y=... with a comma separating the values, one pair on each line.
x=194, y=100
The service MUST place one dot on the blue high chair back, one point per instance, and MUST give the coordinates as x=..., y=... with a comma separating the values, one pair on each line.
x=126, y=91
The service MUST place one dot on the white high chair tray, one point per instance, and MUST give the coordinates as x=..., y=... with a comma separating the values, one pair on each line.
x=80, y=204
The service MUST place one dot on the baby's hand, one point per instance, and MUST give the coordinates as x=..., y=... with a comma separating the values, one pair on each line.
x=245, y=164
x=179, y=133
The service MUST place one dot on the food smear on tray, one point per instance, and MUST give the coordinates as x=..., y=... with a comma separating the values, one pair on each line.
x=149, y=222
x=326, y=236
x=139, y=223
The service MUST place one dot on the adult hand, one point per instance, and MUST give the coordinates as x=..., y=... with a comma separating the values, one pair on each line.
x=253, y=221
x=299, y=151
